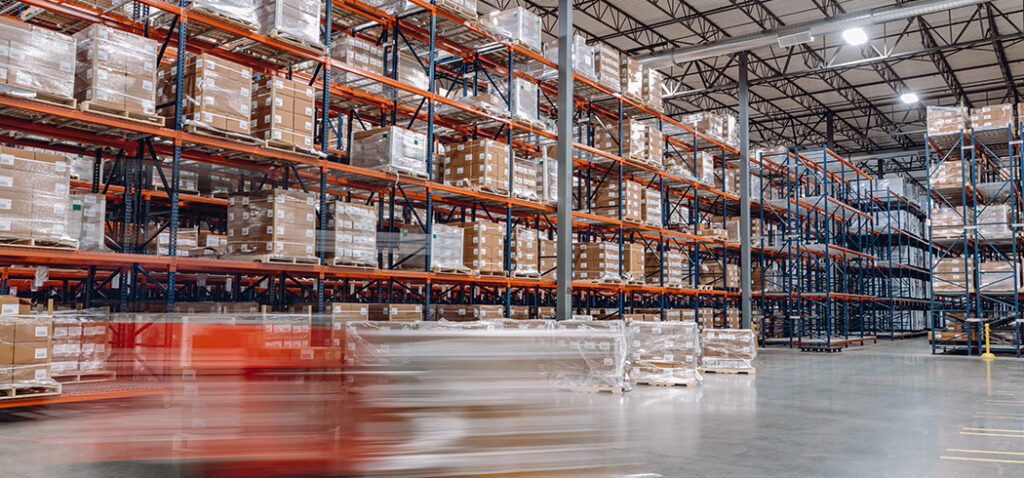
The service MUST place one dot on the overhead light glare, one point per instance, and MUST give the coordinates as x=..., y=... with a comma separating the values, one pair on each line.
x=855, y=36
x=908, y=98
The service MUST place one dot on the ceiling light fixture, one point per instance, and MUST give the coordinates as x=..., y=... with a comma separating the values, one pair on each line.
x=855, y=36
x=908, y=98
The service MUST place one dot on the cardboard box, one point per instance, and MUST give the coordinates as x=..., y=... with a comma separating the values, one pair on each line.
x=484, y=247
x=391, y=149
x=607, y=201
x=351, y=234
x=942, y=120
x=395, y=312
x=481, y=165
x=606, y=138
x=673, y=269
x=596, y=262
x=446, y=248
x=525, y=251
x=652, y=88
x=37, y=59
x=631, y=79
x=34, y=196
x=297, y=20
x=606, y=66
x=217, y=93
x=14, y=305
x=282, y=111
x=276, y=223
x=116, y=69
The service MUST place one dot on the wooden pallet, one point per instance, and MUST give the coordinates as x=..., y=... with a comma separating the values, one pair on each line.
x=729, y=371
x=652, y=383
x=458, y=10
x=635, y=282
x=821, y=348
x=341, y=262
x=29, y=390
x=488, y=273
x=133, y=116
x=526, y=275
x=39, y=96
x=600, y=281
x=229, y=20
x=212, y=132
x=36, y=243
x=289, y=148
x=612, y=389
x=159, y=186
x=86, y=377
x=704, y=287
x=274, y=259
x=300, y=44
x=449, y=270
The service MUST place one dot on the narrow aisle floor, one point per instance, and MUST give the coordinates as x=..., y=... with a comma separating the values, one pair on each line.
x=890, y=409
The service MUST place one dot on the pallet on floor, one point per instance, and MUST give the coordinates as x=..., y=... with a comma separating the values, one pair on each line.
x=729, y=371
x=273, y=258
x=36, y=243
x=653, y=383
x=86, y=377
x=133, y=116
x=29, y=390
x=40, y=96
x=612, y=389
x=821, y=348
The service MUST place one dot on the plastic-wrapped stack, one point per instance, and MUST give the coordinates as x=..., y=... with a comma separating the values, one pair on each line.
x=282, y=112
x=664, y=353
x=293, y=19
x=994, y=221
x=79, y=346
x=26, y=351
x=673, y=269
x=243, y=11
x=631, y=79
x=699, y=167
x=358, y=53
x=634, y=146
x=953, y=274
x=593, y=355
x=479, y=164
x=596, y=262
x=116, y=70
x=654, y=147
x=524, y=101
x=390, y=149
x=652, y=207
x=547, y=179
x=713, y=274
x=484, y=247
x=997, y=276
x=217, y=93
x=37, y=59
x=633, y=263
x=652, y=89
x=351, y=234
x=582, y=58
x=524, y=252
x=949, y=174
x=410, y=71
x=524, y=179
x=278, y=223
x=187, y=239
x=395, y=312
x=727, y=350
x=950, y=222
x=34, y=197
x=445, y=250
x=467, y=312
x=606, y=201
x=606, y=66
x=942, y=120
x=87, y=220
x=516, y=24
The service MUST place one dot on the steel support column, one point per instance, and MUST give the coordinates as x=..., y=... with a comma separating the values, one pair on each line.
x=744, y=127
x=564, y=125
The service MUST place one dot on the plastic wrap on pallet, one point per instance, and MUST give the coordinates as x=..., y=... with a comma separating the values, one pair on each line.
x=595, y=261
x=294, y=19
x=582, y=57
x=484, y=247
x=37, y=59
x=466, y=313
x=187, y=239
x=275, y=223
x=998, y=276
x=672, y=270
x=517, y=24
x=351, y=233
x=949, y=222
x=359, y=53
x=663, y=352
x=653, y=82
x=524, y=251
x=607, y=202
x=953, y=274
x=606, y=66
x=242, y=11
x=34, y=196
x=87, y=213
x=634, y=146
x=445, y=252
x=728, y=349
x=337, y=131
x=391, y=149
x=524, y=100
x=948, y=173
x=480, y=164
x=654, y=147
x=592, y=354
x=994, y=221
x=631, y=79
x=699, y=167
x=547, y=179
x=652, y=207
x=944, y=120
x=116, y=69
x=217, y=93
x=633, y=262
x=283, y=112
x=524, y=179
x=26, y=348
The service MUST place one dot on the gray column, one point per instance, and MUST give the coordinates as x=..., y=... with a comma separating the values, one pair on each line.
x=745, y=284
x=564, y=124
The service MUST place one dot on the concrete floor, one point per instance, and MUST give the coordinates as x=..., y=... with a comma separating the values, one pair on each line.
x=890, y=409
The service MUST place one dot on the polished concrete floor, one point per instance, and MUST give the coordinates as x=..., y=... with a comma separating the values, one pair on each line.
x=890, y=409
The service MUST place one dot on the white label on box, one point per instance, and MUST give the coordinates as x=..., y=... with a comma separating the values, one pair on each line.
x=6, y=181
x=40, y=373
x=7, y=159
x=5, y=203
x=41, y=330
x=9, y=309
x=608, y=362
x=40, y=353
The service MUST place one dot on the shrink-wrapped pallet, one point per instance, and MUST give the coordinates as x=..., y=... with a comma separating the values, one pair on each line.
x=673, y=269
x=37, y=59
x=483, y=250
x=942, y=120
x=634, y=146
x=949, y=222
x=653, y=82
x=282, y=112
x=524, y=179
x=34, y=197
x=479, y=164
x=391, y=149
x=607, y=201
x=525, y=250
x=596, y=262
x=351, y=234
x=606, y=66
x=27, y=350
x=517, y=24
x=948, y=174
x=592, y=354
x=280, y=223
x=115, y=70
x=217, y=94
x=728, y=349
x=547, y=179
x=242, y=11
x=698, y=167
x=998, y=276
x=953, y=275
x=293, y=19
x=663, y=353
x=993, y=221
x=445, y=251
x=87, y=213
x=631, y=78
x=467, y=312
x=652, y=207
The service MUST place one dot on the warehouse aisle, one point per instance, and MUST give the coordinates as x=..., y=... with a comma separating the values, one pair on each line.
x=890, y=409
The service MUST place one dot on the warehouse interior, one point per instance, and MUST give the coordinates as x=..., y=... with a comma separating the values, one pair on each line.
x=530, y=238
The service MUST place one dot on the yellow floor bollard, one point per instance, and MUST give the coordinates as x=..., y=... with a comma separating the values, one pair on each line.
x=988, y=355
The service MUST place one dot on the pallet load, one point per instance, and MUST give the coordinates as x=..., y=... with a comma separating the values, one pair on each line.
x=391, y=149
x=607, y=203
x=732, y=226
x=80, y=350
x=633, y=264
x=351, y=235
x=547, y=261
x=467, y=313
x=721, y=128
x=282, y=113
x=483, y=247
x=633, y=146
x=115, y=74
x=712, y=275
x=582, y=58
x=991, y=117
x=727, y=351
x=524, y=179
x=210, y=243
x=596, y=262
x=187, y=239
x=949, y=174
x=943, y=120
x=37, y=63
x=593, y=355
x=480, y=164
x=272, y=226
x=654, y=148
x=998, y=276
x=341, y=313
x=518, y=25
x=949, y=223
x=297, y=20
x=34, y=198
x=728, y=181
x=673, y=269
x=239, y=11
x=606, y=66
x=631, y=79
x=395, y=312
x=663, y=353
x=87, y=216
x=651, y=207
x=993, y=221
x=359, y=53
x=217, y=97
x=653, y=81
x=699, y=167
x=26, y=351
x=465, y=9
x=547, y=179
x=953, y=275
x=525, y=249
x=410, y=72
x=525, y=102
x=445, y=252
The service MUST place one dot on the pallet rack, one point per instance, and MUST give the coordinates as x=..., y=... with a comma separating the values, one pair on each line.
x=464, y=54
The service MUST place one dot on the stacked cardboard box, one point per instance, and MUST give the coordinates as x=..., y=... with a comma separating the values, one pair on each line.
x=36, y=58
x=79, y=346
x=582, y=57
x=464, y=313
x=524, y=179
x=633, y=263
x=525, y=250
x=358, y=53
x=341, y=314
x=606, y=202
x=282, y=112
x=217, y=94
x=518, y=24
x=993, y=221
x=594, y=354
x=991, y=117
x=87, y=220
x=34, y=196
x=699, y=167
x=998, y=276
x=652, y=207
x=728, y=181
x=279, y=223
x=953, y=274
x=631, y=79
x=712, y=274
x=946, y=120
x=481, y=164
x=464, y=8
x=395, y=312
x=596, y=262
x=293, y=19
x=242, y=11
x=654, y=147
x=634, y=146
x=446, y=247
x=390, y=149
x=187, y=238
x=732, y=226
x=286, y=332
x=727, y=349
x=548, y=259
x=652, y=89
x=483, y=250
x=949, y=222
x=949, y=174
x=664, y=353
x=673, y=269
x=351, y=234
x=116, y=70
x=25, y=350
x=519, y=313
x=721, y=128
x=606, y=65
x=209, y=243
x=410, y=72
x=525, y=101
